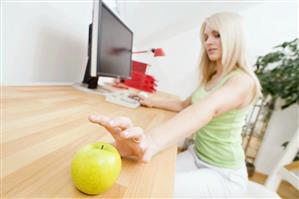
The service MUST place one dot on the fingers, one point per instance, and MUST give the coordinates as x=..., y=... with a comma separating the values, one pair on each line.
x=146, y=103
x=143, y=102
x=136, y=97
x=120, y=122
x=135, y=133
x=99, y=119
x=104, y=121
x=119, y=127
x=114, y=126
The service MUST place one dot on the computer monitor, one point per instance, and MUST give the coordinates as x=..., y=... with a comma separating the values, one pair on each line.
x=109, y=46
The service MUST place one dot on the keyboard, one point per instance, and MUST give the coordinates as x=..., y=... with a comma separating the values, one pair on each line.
x=123, y=99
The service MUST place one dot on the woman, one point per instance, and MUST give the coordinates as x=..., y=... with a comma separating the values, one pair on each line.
x=215, y=165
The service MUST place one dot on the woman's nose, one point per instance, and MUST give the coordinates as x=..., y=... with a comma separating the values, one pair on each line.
x=209, y=41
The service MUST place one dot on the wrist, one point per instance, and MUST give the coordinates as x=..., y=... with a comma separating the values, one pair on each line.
x=152, y=148
x=153, y=103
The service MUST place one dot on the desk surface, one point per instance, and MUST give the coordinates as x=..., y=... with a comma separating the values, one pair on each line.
x=43, y=127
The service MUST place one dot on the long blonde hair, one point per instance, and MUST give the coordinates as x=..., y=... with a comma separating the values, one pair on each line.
x=229, y=26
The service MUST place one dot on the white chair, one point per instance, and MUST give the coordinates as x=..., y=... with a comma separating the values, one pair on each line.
x=279, y=173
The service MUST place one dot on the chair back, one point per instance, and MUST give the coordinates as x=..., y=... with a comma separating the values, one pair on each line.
x=280, y=172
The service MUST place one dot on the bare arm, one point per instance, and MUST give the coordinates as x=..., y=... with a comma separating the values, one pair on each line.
x=172, y=105
x=167, y=104
x=131, y=140
x=231, y=96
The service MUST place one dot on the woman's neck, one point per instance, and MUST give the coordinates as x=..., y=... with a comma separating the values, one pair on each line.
x=219, y=68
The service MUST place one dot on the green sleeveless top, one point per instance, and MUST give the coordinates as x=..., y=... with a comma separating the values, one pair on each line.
x=219, y=143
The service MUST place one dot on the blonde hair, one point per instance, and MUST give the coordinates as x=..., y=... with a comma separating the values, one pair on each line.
x=229, y=26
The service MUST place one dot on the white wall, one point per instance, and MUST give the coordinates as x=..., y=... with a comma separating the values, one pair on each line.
x=154, y=21
x=44, y=42
x=269, y=24
x=177, y=72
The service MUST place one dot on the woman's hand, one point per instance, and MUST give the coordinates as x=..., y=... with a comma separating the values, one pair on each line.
x=130, y=141
x=144, y=101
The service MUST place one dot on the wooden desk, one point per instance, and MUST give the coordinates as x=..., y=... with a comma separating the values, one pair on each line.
x=42, y=128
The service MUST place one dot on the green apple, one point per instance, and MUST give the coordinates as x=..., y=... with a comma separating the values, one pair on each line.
x=95, y=168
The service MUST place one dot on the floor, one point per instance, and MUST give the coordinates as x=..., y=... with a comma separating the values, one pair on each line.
x=285, y=190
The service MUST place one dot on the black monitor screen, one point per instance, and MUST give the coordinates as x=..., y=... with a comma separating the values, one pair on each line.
x=115, y=46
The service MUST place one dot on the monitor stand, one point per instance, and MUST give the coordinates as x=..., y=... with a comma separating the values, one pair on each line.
x=99, y=90
x=91, y=81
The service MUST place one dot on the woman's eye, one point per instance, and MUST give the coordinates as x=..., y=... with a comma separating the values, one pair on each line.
x=217, y=35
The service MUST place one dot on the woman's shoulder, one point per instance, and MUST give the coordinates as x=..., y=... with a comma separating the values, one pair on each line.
x=244, y=86
x=237, y=77
x=240, y=78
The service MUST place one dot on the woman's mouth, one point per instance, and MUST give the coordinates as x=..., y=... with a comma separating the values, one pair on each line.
x=212, y=50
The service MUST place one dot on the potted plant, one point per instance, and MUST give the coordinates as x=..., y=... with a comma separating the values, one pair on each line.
x=278, y=72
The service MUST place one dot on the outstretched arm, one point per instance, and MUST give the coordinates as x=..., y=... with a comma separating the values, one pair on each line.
x=168, y=104
x=172, y=105
x=237, y=92
x=234, y=94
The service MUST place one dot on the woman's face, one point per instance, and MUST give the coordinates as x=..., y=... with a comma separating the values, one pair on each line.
x=212, y=43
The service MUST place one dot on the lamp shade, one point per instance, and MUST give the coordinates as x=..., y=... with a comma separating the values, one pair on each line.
x=158, y=52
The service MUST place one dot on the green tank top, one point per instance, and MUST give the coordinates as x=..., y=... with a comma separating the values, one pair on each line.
x=219, y=143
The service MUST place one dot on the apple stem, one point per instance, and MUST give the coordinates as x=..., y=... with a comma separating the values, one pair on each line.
x=102, y=147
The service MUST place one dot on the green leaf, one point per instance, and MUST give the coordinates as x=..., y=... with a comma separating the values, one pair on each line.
x=278, y=72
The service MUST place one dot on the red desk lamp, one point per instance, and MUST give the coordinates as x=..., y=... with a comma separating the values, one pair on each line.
x=140, y=80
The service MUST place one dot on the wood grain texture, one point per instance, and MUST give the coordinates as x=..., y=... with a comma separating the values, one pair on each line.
x=42, y=128
x=285, y=189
